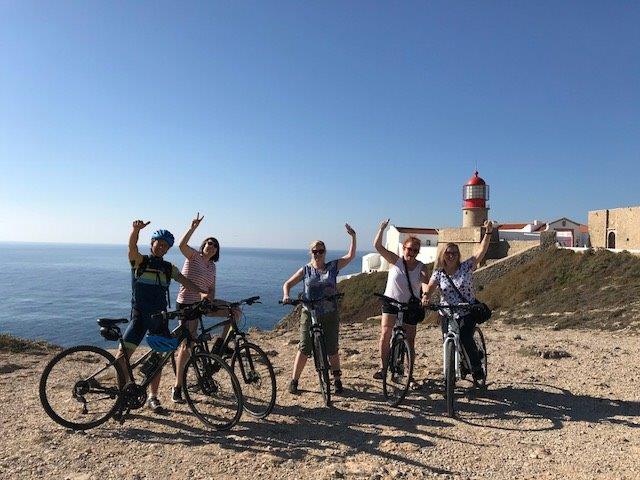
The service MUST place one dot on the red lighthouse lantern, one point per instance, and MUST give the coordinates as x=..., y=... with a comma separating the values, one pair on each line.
x=475, y=207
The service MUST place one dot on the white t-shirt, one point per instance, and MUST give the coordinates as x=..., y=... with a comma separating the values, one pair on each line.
x=397, y=286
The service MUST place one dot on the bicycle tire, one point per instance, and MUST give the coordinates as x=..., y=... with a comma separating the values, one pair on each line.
x=397, y=372
x=254, y=371
x=72, y=378
x=450, y=377
x=322, y=366
x=212, y=391
x=478, y=338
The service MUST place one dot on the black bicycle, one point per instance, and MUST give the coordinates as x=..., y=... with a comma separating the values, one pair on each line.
x=84, y=386
x=455, y=359
x=398, y=367
x=249, y=362
x=318, y=345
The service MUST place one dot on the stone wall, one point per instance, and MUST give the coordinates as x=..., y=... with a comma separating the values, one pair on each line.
x=624, y=222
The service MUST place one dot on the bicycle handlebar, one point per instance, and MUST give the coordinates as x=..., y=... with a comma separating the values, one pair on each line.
x=430, y=306
x=391, y=300
x=459, y=306
x=202, y=307
x=311, y=302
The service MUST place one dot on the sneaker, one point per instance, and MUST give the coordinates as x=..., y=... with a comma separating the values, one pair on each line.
x=154, y=404
x=176, y=395
x=379, y=375
x=478, y=375
x=293, y=386
x=338, y=384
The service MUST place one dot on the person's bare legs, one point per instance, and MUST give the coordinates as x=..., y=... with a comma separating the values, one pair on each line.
x=298, y=365
x=183, y=353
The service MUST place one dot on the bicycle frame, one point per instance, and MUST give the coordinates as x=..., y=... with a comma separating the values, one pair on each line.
x=453, y=335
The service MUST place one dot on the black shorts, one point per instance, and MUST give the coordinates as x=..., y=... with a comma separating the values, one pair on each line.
x=393, y=310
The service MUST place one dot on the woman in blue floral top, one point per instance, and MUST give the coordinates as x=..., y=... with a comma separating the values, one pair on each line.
x=449, y=268
x=320, y=280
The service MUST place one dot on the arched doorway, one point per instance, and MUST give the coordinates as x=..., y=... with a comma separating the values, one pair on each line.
x=611, y=240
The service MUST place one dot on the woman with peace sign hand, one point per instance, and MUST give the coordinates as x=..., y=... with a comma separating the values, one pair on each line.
x=200, y=268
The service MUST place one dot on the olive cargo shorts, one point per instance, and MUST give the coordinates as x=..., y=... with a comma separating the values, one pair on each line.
x=329, y=322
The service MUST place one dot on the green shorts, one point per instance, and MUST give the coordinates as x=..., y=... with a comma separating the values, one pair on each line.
x=330, y=326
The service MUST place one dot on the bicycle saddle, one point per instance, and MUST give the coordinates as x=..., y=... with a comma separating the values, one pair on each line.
x=110, y=322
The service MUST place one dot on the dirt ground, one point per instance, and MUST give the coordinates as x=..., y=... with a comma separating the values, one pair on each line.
x=574, y=417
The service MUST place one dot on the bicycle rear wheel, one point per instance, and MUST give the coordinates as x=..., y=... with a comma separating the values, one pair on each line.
x=212, y=391
x=478, y=338
x=79, y=387
x=397, y=372
x=322, y=366
x=257, y=378
x=450, y=376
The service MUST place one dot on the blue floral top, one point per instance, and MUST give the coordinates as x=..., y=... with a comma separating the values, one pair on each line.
x=463, y=279
x=321, y=283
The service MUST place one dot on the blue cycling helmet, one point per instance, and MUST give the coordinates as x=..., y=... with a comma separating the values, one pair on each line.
x=160, y=343
x=163, y=235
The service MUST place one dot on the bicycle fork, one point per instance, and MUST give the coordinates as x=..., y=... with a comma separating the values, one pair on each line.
x=451, y=338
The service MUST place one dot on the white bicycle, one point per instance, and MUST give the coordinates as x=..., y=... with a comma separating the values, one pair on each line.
x=455, y=360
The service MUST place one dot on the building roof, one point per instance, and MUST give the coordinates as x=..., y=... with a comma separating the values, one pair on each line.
x=419, y=231
x=512, y=226
x=583, y=228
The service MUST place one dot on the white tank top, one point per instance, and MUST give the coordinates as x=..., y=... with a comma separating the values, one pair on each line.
x=397, y=286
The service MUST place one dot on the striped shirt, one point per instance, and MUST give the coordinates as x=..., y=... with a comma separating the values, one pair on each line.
x=199, y=271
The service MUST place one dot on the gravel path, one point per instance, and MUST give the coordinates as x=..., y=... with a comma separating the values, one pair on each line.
x=575, y=417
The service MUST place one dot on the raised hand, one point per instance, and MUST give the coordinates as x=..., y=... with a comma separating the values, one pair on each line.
x=384, y=224
x=350, y=230
x=488, y=225
x=139, y=224
x=196, y=221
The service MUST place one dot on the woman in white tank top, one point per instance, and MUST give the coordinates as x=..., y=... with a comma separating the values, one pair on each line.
x=398, y=288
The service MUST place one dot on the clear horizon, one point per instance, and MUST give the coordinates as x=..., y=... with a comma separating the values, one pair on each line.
x=281, y=121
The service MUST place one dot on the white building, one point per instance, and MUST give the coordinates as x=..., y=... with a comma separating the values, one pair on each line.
x=568, y=232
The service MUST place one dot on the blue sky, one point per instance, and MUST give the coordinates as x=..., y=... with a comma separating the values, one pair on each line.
x=282, y=120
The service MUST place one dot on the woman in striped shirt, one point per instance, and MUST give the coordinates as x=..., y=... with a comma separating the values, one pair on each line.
x=200, y=268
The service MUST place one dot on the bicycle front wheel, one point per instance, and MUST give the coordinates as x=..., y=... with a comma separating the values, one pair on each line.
x=322, y=366
x=257, y=378
x=450, y=376
x=397, y=372
x=79, y=387
x=478, y=338
x=212, y=391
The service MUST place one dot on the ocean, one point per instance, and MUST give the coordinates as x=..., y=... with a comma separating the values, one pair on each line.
x=55, y=292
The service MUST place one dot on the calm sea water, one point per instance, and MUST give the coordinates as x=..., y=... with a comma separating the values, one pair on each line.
x=55, y=292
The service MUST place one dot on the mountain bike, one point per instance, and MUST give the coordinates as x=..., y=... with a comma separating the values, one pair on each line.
x=456, y=364
x=318, y=345
x=84, y=386
x=398, y=367
x=249, y=362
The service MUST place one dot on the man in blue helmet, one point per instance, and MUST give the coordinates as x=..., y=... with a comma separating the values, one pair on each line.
x=150, y=278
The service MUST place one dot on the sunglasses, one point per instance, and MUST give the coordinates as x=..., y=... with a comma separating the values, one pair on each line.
x=211, y=242
x=452, y=252
x=412, y=250
x=318, y=252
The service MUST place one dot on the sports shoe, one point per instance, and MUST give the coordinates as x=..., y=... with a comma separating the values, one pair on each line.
x=154, y=404
x=293, y=386
x=176, y=395
x=478, y=375
x=338, y=385
x=379, y=375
